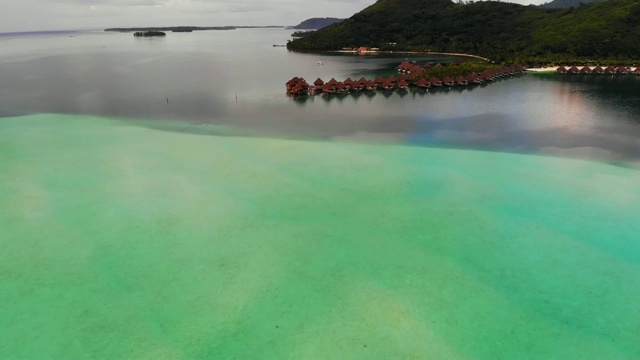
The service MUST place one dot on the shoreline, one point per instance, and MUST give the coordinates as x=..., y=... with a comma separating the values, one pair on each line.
x=408, y=52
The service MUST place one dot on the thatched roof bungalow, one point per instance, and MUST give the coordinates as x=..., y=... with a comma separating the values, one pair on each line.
x=422, y=83
x=434, y=81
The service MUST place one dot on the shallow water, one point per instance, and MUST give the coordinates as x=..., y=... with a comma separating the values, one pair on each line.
x=447, y=224
x=121, y=241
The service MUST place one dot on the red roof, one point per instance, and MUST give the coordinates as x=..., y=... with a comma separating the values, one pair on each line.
x=332, y=81
x=318, y=82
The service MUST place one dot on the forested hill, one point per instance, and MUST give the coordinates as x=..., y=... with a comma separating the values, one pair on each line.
x=563, y=4
x=497, y=30
x=317, y=23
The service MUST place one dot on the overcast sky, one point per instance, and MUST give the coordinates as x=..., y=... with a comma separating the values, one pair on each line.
x=27, y=15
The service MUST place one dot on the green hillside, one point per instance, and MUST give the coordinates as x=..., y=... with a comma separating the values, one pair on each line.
x=500, y=31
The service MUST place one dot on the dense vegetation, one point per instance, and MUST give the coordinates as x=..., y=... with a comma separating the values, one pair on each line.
x=317, y=23
x=459, y=69
x=500, y=31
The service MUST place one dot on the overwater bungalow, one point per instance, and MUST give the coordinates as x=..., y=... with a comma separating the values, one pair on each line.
x=327, y=88
x=609, y=70
x=300, y=89
x=474, y=79
x=585, y=70
x=348, y=82
x=598, y=70
x=561, y=70
x=434, y=81
x=423, y=83
x=621, y=70
x=298, y=86
x=460, y=80
x=573, y=70
x=486, y=75
x=370, y=85
x=291, y=83
x=637, y=71
x=404, y=66
x=318, y=83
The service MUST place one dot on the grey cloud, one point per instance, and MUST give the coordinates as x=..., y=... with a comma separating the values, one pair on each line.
x=27, y=15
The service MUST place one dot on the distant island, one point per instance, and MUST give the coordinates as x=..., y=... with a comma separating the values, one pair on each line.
x=189, y=28
x=317, y=23
x=149, y=33
x=500, y=31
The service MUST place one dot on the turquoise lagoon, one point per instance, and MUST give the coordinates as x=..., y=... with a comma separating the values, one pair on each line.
x=125, y=241
x=496, y=222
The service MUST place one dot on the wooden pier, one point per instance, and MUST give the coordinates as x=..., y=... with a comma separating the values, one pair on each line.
x=410, y=75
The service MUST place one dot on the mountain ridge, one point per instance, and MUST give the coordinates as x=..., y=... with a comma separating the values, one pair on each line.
x=500, y=31
x=317, y=23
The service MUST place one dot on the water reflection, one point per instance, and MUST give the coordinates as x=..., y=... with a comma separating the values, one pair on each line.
x=114, y=75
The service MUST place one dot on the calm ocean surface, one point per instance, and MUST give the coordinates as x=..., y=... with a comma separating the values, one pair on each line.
x=113, y=74
x=232, y=221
